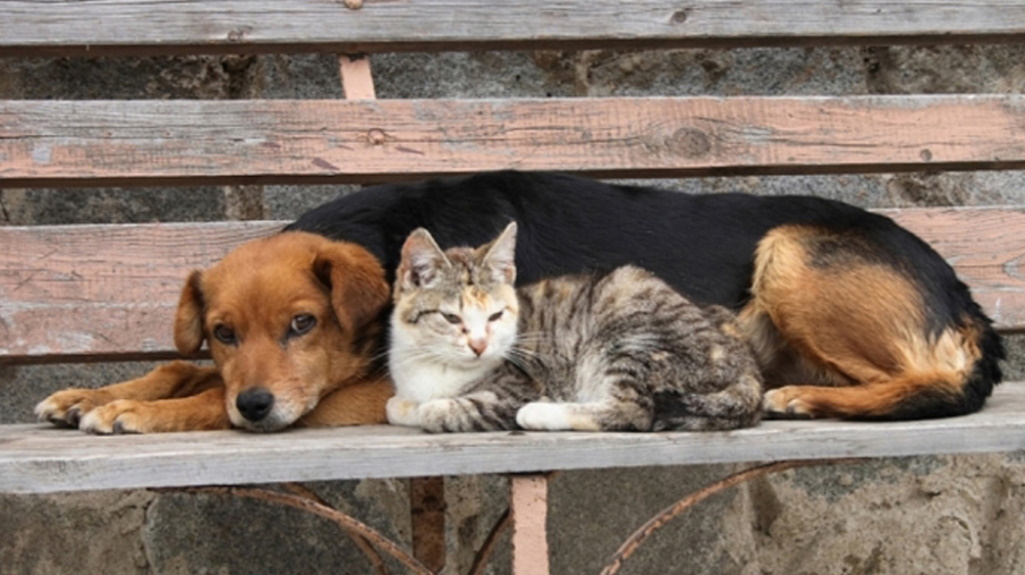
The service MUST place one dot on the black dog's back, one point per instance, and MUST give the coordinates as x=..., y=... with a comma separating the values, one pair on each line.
x=566, y=225
x=702, y=245
x=705, y=247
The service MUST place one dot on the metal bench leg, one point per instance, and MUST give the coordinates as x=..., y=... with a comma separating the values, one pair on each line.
x=529, y=505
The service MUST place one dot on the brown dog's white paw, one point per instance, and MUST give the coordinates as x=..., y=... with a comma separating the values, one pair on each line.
x=116, y=417
x=786, y=403
x=66, y=408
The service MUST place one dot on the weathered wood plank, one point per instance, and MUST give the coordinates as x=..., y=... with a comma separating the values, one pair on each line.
x=40, y=459
x=102, y=27
x=263, y=141
x=69, y=292
x=103, y=290
x=357, y=80
x=528, y=504
x=987, y=248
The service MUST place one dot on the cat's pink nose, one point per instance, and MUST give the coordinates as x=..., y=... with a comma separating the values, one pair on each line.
x=478, y=346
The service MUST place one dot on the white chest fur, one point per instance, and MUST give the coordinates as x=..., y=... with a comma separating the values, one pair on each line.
x=423, y=380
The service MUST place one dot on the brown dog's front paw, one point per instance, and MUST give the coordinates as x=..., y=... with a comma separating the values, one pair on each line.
x=199, y=412
x=120, y=416
x=117, y=416
x=786, y=403
x=66, y=408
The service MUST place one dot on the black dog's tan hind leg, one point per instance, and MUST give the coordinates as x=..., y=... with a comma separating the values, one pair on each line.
x=177, y=396
x=844, y=331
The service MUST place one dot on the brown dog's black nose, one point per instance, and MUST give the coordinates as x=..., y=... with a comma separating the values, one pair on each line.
x=255, y=403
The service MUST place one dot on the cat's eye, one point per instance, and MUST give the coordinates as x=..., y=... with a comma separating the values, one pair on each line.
x=301, y=324
x=496, y=316
x=225, y=334
x=452, y=318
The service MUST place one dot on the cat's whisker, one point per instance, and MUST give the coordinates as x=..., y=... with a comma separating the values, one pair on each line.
x=526, y=361
x=516, y=362
x=416, y=356
x=521, y=349
x=412, y=358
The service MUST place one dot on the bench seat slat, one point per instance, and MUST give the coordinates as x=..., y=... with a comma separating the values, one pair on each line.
x=105, y=291
x=257, y=26
x=40, y=459
x=45, y=143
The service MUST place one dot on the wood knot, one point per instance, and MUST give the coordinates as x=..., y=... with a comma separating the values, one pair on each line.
x=353, y=4
x=678, y=17
x=377, y=137
x=926, y=155
x=239, y=34
x=690, y=142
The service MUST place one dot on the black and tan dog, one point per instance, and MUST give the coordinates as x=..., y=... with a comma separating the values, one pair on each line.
x=850, y=315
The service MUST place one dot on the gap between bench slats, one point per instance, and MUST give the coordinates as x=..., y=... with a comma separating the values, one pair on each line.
x=46, y=143
x=256, y=26
x=70, y=293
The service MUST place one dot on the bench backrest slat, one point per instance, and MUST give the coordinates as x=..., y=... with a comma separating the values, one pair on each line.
x=110, y=291
x=207, y=26
x=266, y=141
x=97, y=292
x=986, y=246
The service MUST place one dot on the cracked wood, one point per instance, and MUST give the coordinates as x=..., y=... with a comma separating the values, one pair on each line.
x=140, y=27
x=45, y=143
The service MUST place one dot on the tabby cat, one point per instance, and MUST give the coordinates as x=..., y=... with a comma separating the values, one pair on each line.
x=614, y=351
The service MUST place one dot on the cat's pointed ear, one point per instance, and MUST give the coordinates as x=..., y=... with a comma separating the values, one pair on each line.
x=501, y=255
x=421, y=260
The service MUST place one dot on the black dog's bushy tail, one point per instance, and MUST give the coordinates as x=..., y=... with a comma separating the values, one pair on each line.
x=965, y=396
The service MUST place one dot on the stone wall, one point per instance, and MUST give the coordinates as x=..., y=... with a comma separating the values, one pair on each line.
x=937, y=515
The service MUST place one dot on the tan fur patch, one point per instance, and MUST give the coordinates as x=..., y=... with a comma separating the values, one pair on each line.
x=831, y=318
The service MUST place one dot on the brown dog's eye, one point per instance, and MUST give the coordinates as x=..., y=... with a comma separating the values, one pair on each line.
x=225, y=335
x=301, y=324
x=452, y=318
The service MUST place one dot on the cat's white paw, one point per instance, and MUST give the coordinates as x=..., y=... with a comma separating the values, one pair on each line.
x=403, y=411
x=543, y=416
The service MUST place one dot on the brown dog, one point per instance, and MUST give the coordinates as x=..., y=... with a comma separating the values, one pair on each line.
x=291, y=321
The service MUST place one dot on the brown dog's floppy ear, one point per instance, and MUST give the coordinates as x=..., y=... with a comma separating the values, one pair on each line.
x=188, y=321
x=359, y=291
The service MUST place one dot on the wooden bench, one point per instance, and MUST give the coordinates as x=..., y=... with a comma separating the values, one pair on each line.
x=107, y=292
